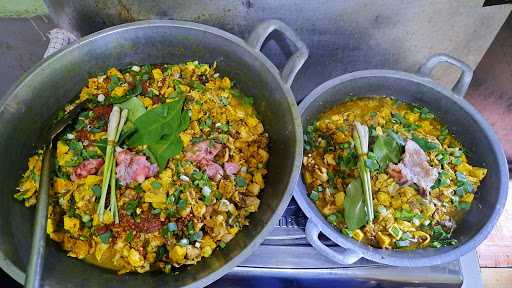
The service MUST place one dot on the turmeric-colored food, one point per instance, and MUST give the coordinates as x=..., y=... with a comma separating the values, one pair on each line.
x=420, y=180
x=185, y=170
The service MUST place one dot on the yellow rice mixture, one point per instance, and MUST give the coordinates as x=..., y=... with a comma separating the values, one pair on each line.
x=405, y=217
x=166, y=220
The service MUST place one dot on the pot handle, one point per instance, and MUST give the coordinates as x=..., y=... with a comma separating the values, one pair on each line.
x=293, y=65
x=348, y=256
x=461, y=86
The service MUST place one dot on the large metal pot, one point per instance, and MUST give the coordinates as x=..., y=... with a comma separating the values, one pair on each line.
x=53, y=82
x=462, y=119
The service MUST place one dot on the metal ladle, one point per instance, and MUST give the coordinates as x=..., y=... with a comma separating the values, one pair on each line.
x=36, y=261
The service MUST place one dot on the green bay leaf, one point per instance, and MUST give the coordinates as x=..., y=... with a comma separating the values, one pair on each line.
x=169, y=146
x=425, y=144
x=155, y=123
x=135, y=108
x=387, y=150
x=354, y=208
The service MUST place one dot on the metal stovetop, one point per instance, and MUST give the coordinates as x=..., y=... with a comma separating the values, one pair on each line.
x=287, y=260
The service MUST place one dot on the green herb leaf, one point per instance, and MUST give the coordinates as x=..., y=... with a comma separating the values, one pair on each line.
x=424, y=144
x=182, y=203
x=172, y=227
x=314, y=195
x=196, y=85
x=196, y=236
x=155, y=123
x=129, y=237
x=114, y=82
x=399, y=119
x=200, y=179
x=355, y=213
x=347, y=161
x=135, y=108
x=102, y=145
x=387, y=150
x=424, y=113
x=159, y=129
x=371, y=164
x=310, y=137
x=240, y=181
x=185, y=120
x=395, y=231
x=105, y=237
x=131, y=206
x=444, y=178
x=166, y=148
x=405, y=214
x=463, y=205
x=334, y=218
x=463, y=182
x=347, y=232
x=224, y=100
x=402, y=243
x=161, y=251
x=97, y=190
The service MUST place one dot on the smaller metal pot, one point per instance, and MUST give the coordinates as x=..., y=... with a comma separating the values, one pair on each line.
x=468, y=126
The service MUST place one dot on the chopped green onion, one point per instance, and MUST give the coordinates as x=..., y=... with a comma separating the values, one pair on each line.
x=171, y=226
x=105, y=237
x=347, y=232
x=314, y=196
x=240, y=181
x=403, y=243
x=182, y=203
x=156, y=185
x=332, y=218
x=129, y=236
x=395, y=231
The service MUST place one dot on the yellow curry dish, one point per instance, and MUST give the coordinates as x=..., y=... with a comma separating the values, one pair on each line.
x=161, y=169
x=388, y=173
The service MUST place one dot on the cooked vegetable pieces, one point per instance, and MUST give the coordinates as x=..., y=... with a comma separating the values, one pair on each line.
x=184, y=172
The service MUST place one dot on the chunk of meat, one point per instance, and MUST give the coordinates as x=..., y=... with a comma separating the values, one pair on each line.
x=414, y=168
x=86, y=168
x=231, y=168
x=203, y=152
x=395, y=172
x=214, y=171
x=133, y=168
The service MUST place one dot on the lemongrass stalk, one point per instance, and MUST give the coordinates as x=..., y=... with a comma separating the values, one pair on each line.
x=361, y=139
x=113, y=197
x=113, y=122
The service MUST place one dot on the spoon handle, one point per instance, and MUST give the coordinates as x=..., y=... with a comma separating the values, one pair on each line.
x=36, y=261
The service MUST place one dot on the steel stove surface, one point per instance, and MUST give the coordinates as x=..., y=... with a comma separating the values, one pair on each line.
x=285, y=259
